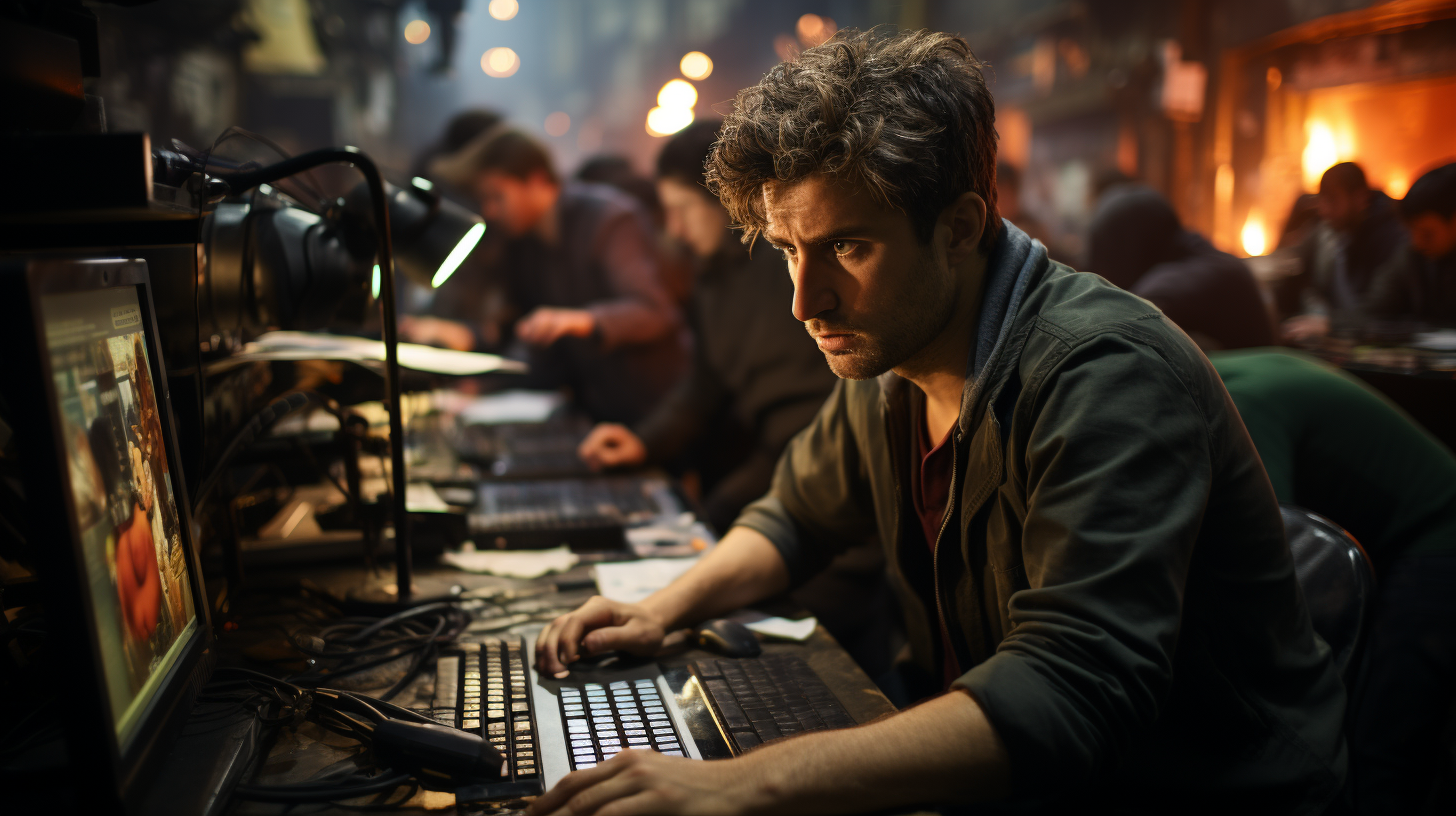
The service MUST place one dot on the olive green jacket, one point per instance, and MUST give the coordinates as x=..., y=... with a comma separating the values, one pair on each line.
x=1112, y=567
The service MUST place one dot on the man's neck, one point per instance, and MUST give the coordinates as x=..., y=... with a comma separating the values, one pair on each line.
x=939, y=369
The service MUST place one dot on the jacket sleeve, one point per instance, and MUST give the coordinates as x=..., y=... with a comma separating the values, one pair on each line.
x=641, y=310
x=1116, y=458
x=1390, y=289
x=819, y=504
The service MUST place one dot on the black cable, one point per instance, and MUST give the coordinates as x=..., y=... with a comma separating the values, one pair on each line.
x=270, y=414
x=312, y=793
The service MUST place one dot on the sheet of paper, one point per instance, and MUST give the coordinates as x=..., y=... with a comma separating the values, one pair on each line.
x=781, y=628
x=512, y=563
x=511, y=406
x=421, y=497
x=288, y=345
x=631, y=581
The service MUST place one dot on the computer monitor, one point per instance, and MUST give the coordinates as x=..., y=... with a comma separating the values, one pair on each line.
x=108, y=522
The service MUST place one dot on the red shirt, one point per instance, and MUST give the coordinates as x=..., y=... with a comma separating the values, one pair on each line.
x=930, y=492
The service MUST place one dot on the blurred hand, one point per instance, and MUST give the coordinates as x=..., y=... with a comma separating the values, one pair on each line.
x=646, y=782
x=434, y=331
x=547, y=324
x=610, y=445
x=597, y=626
x=1306, y=327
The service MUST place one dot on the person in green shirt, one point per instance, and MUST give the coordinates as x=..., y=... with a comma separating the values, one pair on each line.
x=1334, y=445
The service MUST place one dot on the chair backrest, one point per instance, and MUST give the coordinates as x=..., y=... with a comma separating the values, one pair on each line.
x=1337, y=579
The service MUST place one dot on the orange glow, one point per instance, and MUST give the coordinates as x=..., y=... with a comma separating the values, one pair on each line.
x=814, y=30
x=558, y=123
x=1398, y=185
x=503, y=9
x=1319, y=154
x=500, y=62
x=696, y=65
x=416, y=32
x=1253, y=236
x=667, y=121
x=677, y=93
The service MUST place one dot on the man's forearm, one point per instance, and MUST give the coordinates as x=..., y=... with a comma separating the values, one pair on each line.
x=943, y=750
x=745, y=567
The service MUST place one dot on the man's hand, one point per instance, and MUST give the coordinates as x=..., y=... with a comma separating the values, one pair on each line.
x=433, y=331
x=548, y=324
x=610, y=445
x=597, y=626
x=646, y=782
x=1306, y=327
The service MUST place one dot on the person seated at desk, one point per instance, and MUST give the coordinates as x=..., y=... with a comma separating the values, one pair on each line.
x=1332, y=444
x=1358, y=233
x=580, y=263
x=1138, y=243
x=753, y=368
x=1420, y=282
x=1090, y=561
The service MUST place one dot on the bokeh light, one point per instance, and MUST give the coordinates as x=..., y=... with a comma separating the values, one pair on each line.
x=667, y=121
x=416, y=32
x=503, y=9
x=500, y=62
x=815, y=30
x=1253, y=237
x=1319, y=154
x=558, y=123
x=696, y=65
x=677, y=93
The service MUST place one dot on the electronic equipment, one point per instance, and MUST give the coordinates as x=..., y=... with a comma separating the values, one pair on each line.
x=526, y=450
x=755, y=700
x=106, y=512
x=585, y=514
x=728, y=638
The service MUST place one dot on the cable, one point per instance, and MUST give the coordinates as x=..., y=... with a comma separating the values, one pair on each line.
x=306, y=792
x=260, y=422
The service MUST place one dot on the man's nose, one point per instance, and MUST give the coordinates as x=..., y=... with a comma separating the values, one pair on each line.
x=813, y=289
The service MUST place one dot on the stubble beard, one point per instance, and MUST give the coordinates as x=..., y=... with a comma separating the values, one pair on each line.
x=898, y=329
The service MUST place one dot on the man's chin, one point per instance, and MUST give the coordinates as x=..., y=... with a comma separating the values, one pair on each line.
x=849, y=365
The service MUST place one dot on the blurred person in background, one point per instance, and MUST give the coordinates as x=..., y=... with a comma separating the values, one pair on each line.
x=1420, y=282
x=756, y=378
x=1008, y=200
x=1138, y=244
x=677, y=262
x=1359, y=232
x=580, y=264
x=462, y=128
x=1334, y=445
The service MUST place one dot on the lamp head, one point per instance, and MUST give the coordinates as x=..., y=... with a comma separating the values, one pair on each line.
x=432, y=235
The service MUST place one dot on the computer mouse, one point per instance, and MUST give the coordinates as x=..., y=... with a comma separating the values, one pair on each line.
x=728, y=638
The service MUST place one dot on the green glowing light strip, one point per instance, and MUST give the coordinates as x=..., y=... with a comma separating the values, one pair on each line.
x=375, y=286
x=458, y=254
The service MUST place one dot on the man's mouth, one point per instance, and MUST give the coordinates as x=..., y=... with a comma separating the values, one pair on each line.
x=832, y=342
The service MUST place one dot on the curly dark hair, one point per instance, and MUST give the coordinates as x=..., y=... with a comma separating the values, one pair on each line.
x=907, y=118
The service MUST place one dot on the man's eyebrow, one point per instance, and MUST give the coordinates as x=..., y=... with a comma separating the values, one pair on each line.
x=836, y=234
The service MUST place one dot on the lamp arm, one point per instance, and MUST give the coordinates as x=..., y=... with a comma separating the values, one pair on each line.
x=239, y=182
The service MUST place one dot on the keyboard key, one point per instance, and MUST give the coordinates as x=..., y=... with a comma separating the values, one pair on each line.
x=745, y=740
x=581, y=743
x=581, y=766
x=672, y=753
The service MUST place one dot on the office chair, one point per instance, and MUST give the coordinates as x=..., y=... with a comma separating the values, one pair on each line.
x=1337, y=579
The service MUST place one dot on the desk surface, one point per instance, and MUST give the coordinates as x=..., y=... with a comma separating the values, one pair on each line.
x=294, y=755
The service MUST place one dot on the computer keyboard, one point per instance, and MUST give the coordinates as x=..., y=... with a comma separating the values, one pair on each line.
x=604, y=719
x=525, y=450
x=755, y=700
x=482, y=685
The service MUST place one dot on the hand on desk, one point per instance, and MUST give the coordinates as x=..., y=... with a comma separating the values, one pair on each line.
x=434, y=331
x=597, y=626
x=641, y=782
x=547, y=324
x=611, y=445
x=1306, y=327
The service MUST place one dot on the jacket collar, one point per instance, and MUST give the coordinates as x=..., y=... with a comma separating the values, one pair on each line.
x=1012, y=263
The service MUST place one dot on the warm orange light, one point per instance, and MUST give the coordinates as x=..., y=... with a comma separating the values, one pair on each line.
x=500, y=62
x=1398, y=185
x=558, y=123
x=416, y=32
x=696, y=65
x=814, y=30
x=663, y=121
x=503, y=9
x=677, y=93
x=1253, y=237
x=1319, y=154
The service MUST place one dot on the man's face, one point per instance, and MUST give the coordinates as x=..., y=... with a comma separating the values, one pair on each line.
x=1433, y=236
x=1343, y=209
x=513, y=204
x=693, y=218
x=868, y=291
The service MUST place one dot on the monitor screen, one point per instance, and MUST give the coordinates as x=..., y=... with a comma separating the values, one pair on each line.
x=121, y=490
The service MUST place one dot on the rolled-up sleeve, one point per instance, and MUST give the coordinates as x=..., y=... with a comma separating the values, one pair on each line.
x=819, y=504
x=1118, y=469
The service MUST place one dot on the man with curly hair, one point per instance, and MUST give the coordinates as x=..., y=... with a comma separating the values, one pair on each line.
x=1088, y=554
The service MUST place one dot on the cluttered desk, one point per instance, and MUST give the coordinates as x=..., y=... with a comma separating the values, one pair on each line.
x=288, y=680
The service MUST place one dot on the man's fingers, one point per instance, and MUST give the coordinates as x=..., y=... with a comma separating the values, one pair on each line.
x=552, y=801
x=546, y=648
x=635, y=636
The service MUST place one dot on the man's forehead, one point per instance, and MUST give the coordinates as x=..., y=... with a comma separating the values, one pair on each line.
x=817, y=202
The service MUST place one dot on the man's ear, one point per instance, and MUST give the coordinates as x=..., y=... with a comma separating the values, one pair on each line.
x=966, y=219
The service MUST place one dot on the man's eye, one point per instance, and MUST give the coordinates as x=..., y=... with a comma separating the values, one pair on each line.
x=842, y=248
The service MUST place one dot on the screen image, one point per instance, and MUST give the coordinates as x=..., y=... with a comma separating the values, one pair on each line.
x=121, y=492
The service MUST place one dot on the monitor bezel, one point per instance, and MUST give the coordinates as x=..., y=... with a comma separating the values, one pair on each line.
x=92, y=738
